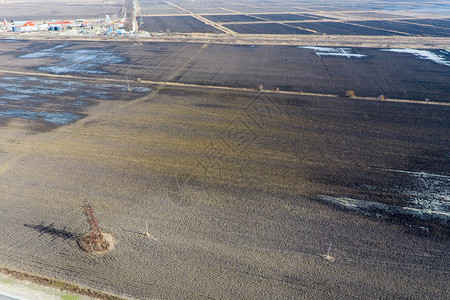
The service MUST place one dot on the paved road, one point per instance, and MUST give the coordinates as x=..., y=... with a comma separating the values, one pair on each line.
x=3, y=297
x=7, y=296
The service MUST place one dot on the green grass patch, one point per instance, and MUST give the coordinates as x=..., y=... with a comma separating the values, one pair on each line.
x=6, y=280
x=69, y=297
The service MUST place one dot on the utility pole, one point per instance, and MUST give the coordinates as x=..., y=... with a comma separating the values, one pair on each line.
x=328, y=256
x=94, y=241
x=128, y=84
x=329, y=248
x=94, y=230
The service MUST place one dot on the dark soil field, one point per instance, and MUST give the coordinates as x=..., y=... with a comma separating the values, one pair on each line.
x=61, y=9
x=231, y=18
x=265, y=28
x=284, y=17
x=342, y=28
x=246, y=212
x=407, y=28
x=156, y=7
x=317, y=17
x=372, y=14
x=370, y=72
x=396, y=75
x=380, y=8
x=181, y=24
x=434, y=22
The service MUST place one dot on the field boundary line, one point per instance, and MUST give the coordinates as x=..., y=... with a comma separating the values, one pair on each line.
x=219, y=87
x=203, y=20
x=376, y=28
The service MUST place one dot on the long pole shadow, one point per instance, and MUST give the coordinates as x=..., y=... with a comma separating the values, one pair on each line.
x=51, y=230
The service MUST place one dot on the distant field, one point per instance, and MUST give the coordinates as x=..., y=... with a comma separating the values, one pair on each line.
x=181, y=24
x=189, y=24
x=263, y=17
x=231, y=18
x=380, y=8
x=407, y=28
x=265, y=28
x=307, y=15
x=371, y=14
x=318, y=16
x=156, y=7
x=443, y=23
x=58, y=9
x=284, y=17
x=342, y=28
x=280, y=17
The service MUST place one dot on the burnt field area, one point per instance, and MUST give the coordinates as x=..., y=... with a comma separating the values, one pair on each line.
x=181, y=24
x=442, y=23
x=52, y=102
x=231, y=18
x=370, y=72
x=286, y=17
x=265, y=28
x=372, y=14
x=403, y=74
x=339, y=28
x=302, y=6
x=414, y=29
x=155, y=7
x=234, y=186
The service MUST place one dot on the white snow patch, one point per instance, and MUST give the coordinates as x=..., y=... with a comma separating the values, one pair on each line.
x=423, y=54
x=76, y=60
x=425, y=174
x=429, y=197
x=326, y=51
x=431, y=191
x=383, y=210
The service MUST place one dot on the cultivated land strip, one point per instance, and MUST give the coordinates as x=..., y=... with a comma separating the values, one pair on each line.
x=204, y=20
x=178, y=84
x=267, y=39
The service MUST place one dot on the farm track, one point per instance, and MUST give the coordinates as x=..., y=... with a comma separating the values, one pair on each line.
x=203, y=20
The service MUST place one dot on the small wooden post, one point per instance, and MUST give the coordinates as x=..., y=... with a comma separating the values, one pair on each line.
x=328, y=256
